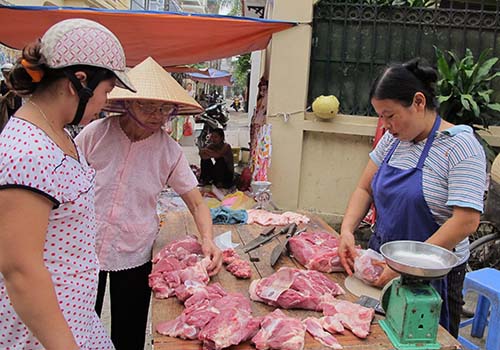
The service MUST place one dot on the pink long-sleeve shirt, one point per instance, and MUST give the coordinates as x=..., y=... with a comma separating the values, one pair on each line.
x=130, y=177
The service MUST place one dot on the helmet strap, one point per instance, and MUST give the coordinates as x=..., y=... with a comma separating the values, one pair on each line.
x=84, y=92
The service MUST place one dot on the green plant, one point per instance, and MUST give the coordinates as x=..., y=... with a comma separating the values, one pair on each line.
x=240, y=73
x=464, y=91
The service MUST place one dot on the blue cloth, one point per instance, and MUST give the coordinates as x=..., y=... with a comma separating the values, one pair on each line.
x=402, y=212
x=227, y=216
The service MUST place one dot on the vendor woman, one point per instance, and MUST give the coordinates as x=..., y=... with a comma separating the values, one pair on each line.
x=426, y=178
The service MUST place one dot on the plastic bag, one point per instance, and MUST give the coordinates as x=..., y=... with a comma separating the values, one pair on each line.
x=187, y=127
x=368, y=266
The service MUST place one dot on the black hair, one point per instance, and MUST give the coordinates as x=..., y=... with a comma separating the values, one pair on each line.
x=401, y=82
x=219, y=132
x=22, y=83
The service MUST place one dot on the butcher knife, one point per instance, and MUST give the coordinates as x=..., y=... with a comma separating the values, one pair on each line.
x=263, y=238
x=280, y=248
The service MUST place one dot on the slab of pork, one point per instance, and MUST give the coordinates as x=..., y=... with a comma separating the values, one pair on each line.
x=293, y=288
x=278, y=331
x=176, y=263
x=316, y=251
x=352, y=316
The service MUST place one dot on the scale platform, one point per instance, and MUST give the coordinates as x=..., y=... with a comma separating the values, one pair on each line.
x=411, y=304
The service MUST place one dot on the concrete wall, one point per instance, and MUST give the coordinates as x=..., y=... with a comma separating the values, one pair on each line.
x=315, y=164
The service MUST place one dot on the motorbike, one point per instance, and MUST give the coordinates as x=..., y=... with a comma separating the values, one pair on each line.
x=214, y=117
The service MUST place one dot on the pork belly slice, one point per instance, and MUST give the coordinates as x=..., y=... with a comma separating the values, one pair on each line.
x=293, y=288
x=354, y=317
x=315, y=328
x=278, y=331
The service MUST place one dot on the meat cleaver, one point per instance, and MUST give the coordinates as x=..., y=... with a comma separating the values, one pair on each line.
x=264, y=238
x=280, y=248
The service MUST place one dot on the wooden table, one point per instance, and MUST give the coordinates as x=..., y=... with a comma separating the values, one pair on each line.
x=178, y=224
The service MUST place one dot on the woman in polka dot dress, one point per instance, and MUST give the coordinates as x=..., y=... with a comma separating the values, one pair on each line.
x=48, y=263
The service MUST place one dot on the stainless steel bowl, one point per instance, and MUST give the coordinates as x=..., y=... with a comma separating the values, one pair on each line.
x=418, y=259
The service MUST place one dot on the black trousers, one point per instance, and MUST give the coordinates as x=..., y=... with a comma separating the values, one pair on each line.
x=455, y=281
x=129, y=299
x=217, y=172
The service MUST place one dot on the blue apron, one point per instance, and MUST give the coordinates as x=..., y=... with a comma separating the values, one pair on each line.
x=402, y=212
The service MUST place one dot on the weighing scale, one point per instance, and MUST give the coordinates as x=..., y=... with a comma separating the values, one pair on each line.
x=411, y=304
x=262, y=195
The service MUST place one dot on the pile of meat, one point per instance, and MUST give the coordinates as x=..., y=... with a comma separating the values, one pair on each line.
x=220, y=319
x=368, y=266
x=217, y=318
x=177, y=268
x=316, y=251
x=291, y=288
x=266, y=218
x=235, y=264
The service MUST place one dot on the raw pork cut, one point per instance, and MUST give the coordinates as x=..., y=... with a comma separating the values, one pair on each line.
x=266, y=218
x=176, y=263
x=235, y=265
x=232, y=325
x=278, y=331
x=217, y=318
x=198, y=312
x=352, y=316
x=316, y=251
x=368, y=266
x=315, y=328
x=293, y=288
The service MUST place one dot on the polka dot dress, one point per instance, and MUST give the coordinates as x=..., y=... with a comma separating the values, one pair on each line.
x=30, y=160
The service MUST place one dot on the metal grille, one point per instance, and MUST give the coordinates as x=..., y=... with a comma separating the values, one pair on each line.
x=352, y=43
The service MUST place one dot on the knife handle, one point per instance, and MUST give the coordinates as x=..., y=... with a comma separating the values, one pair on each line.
x=292, y=229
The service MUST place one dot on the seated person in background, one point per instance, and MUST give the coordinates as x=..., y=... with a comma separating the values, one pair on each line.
x=216, y=163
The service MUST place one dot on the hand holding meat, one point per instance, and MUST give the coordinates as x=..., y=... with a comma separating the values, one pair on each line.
x=347, y=251
x=210, y=250
x=387, y=275
x=368, y=266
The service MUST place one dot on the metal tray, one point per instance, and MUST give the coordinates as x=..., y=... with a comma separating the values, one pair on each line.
x=418, y=259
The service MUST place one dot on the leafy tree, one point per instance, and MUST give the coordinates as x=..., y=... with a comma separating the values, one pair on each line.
x=240, y=74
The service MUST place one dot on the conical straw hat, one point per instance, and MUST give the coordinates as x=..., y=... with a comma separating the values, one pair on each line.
x=155, y=84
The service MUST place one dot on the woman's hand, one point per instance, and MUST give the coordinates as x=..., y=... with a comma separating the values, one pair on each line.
x=387, y=275
x=347, y=251
x=211, y=250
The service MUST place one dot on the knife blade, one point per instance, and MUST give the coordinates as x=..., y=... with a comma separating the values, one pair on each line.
x=261, y=240
x=267, y=232
x=280, y=248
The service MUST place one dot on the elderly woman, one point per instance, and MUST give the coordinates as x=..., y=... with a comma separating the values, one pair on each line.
x=135, y=159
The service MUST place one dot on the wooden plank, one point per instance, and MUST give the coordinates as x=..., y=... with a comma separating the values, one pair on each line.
x=178, y=224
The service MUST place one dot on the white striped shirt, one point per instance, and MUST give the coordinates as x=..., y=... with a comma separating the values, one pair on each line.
x=454, y=172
